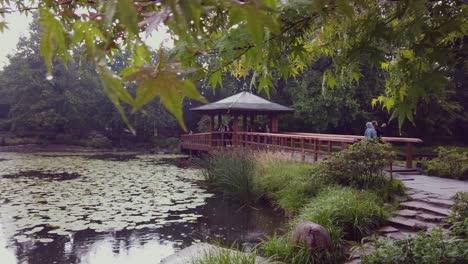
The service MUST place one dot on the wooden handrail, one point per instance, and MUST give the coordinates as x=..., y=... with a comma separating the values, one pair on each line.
x=386, y=139
x=303, y=143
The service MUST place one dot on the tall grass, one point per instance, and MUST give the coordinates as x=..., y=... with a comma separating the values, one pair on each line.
x=288, y=183
x=345, y=212
x=232, y=172
x=281, y=248
x=226, y=256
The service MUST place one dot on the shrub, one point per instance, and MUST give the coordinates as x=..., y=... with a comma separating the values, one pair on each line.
x=423, y=248
x=389, y=189
x=289, y=184
x=458, y=219
x=450, y=163
x=281, y=248
x=232, y=173
x=360, y=165
x=345, y=212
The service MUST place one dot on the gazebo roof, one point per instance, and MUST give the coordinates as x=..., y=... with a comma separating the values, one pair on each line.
x=243, y=102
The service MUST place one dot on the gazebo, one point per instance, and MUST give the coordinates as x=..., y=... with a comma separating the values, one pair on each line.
x=245, y=105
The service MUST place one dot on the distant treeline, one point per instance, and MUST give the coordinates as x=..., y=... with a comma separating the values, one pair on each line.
x=72, y=102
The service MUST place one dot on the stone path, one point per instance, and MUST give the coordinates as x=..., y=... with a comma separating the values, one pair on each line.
x=427, y=204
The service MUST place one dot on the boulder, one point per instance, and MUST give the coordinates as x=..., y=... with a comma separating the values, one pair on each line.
x=311, y=235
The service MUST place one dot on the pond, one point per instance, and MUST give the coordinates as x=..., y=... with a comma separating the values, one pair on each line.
x=95, y=208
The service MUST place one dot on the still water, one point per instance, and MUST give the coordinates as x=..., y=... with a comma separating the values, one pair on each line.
x=106, y=208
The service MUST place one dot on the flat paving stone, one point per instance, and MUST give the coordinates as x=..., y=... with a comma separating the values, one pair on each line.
x=443, y=187
x=418, y=205
x=429, y=217
x=406, y=212
x=411, y=224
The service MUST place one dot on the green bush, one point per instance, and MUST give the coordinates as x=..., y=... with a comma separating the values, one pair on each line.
x=345, y=212
x=232, y=172
x=450, y=163
x=389, y=189
x=458, y=219
x=289, y=184
x=423, y=248
x=360, y=165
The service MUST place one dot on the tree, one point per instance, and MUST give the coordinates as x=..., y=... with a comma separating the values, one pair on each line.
x=415, y=42
x=71, y=101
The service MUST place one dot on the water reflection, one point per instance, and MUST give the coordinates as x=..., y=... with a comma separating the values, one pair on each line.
x=221, y=222
x=217, y=220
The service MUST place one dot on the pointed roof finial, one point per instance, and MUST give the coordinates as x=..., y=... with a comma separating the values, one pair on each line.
x=244, y=87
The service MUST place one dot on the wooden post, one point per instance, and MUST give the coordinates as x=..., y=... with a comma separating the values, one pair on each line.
x=212, y=123
x=244, y=122
x=409, y=155
x=302, y=149
x=315, y=150
x=211, y=130
x=330, y=147
x=235, y=128
x=274, y=123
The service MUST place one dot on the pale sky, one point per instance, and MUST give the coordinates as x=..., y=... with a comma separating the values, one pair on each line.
x=18, y=25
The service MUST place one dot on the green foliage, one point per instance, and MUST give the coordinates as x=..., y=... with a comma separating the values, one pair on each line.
x=345, y=212
x=450, y=163
x=232, y=172
x=417, y=44
x=281, y=248
x=227, y=256
x=72, y=102
x=360, y=165
x=289, y=184
x=458, y=219
x=430, y=247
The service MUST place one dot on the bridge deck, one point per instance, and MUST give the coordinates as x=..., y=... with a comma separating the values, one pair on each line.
x=307, y=144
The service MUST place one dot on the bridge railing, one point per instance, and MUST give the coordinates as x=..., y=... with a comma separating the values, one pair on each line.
x=313, y=146
x=307, y=144
x=409, y=142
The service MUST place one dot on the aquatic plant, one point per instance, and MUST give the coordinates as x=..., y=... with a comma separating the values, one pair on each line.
x=105, y=195
x=227, y=256
x=232, y=172
x=288, y=183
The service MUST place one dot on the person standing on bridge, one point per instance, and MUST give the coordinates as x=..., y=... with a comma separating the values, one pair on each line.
x=370, y=131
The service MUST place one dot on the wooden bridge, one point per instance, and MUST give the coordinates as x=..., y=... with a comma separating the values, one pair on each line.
x=244, y=107
x=305, y=144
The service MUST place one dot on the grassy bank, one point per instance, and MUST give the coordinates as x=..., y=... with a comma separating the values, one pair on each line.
x=348, y=194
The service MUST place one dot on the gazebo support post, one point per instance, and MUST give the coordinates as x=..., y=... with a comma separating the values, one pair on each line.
x=274, y=123
x=211, y=129
x=220, y=136
x=244, y=128
x=235, y=128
